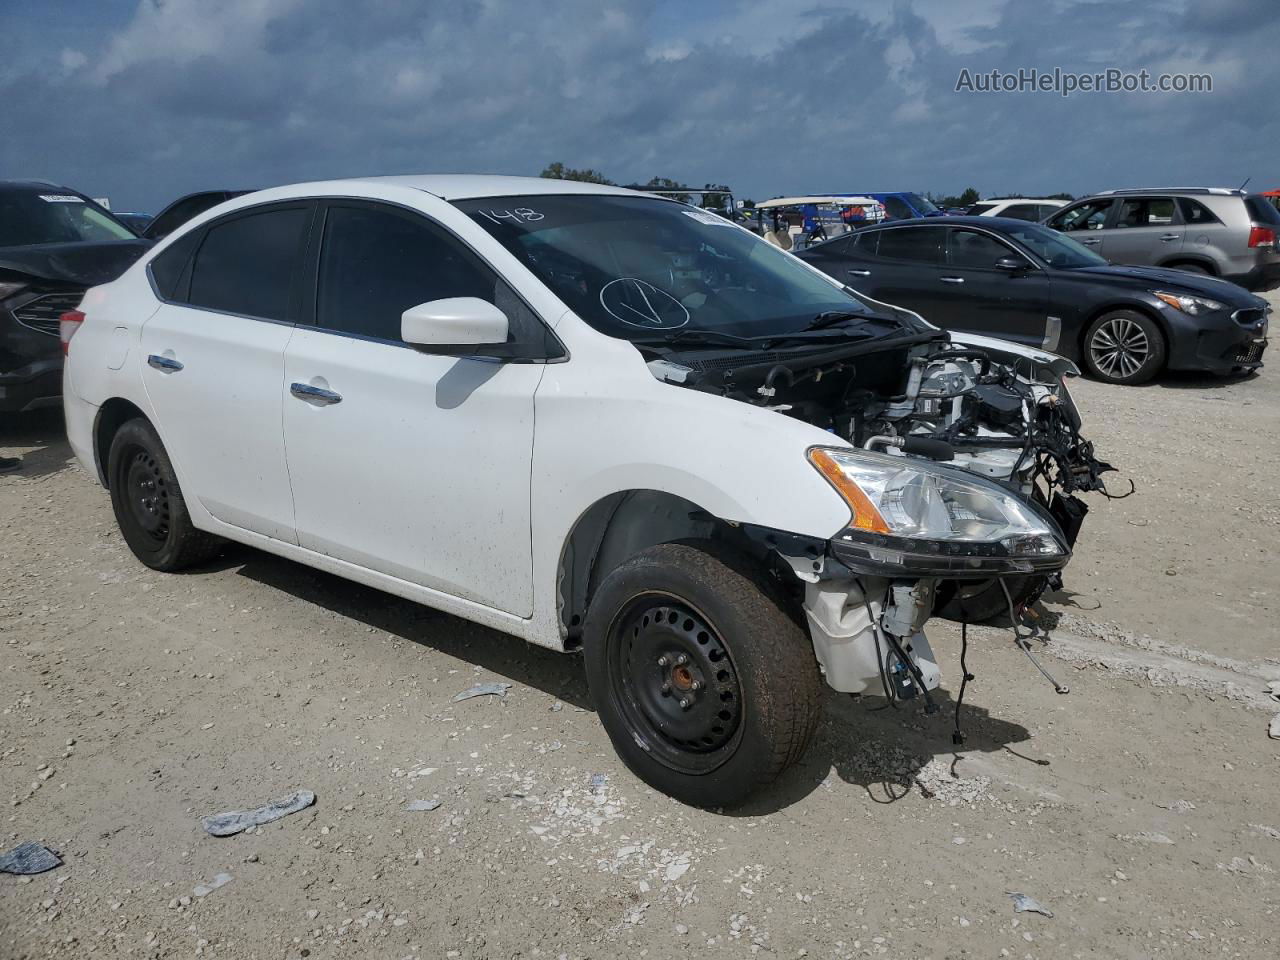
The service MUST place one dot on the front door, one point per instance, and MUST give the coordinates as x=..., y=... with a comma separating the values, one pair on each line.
x=1086, y=223
x=411, y=464
x=984, y=298
x=213, y=362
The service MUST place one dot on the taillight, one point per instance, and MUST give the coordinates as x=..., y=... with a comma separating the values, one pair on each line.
x=1262, y=237
x=68, y=324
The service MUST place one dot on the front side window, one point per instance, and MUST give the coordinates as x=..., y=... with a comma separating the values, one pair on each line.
x=921, y=244
x=973, y=250
x=1087, y=216
x=641, y=269
x=37, y=217
x=247, y=265
x=376, y=262
x=896, y=209
x=1054, y=248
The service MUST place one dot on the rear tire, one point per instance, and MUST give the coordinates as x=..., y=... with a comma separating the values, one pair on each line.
x=1124, y=347
x=675, y=623
x=148, y=502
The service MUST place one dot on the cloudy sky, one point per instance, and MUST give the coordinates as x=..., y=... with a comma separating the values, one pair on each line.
x=142, y=100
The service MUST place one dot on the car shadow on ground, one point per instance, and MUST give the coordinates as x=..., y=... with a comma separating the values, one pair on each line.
x=863, y=742
x=880, y=750
x=556, y=674
x=1194, y=380
x=39, y=439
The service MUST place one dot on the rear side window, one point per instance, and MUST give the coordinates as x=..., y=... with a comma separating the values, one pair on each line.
x=377, y=262
x=247, y=265
x=896, y=209
x=169, y=268
x=1195, y=212
x=1261, y=211
x=978, y=209
x=921, y=244
x=1022, y=211
x=1046, y=209
x=1146, y=212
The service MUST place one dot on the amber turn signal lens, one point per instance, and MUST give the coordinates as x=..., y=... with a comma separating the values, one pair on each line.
x=865, y=514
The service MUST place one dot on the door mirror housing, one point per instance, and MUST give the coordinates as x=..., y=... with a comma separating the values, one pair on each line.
x=456, y=326
x=1011, y=264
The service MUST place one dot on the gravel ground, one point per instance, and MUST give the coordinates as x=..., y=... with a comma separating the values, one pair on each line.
x=1141, y=809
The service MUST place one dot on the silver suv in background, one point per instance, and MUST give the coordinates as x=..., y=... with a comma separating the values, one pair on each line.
x=1214, y=231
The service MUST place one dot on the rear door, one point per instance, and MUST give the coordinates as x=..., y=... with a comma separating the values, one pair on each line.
x=983, y=298
x=1086, y=222
x=213, y=362
x=1145, y=231
x=907, y=269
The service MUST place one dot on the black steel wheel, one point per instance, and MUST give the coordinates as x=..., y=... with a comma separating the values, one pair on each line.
x=705, y=685
x=674, y=678
x=148, y=502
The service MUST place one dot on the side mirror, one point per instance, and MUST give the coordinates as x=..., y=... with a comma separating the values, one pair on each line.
x=454, y=326
x=1011, y=264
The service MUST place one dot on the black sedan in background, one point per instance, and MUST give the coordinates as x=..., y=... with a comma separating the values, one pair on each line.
x=1023, y=282
x=54, y=244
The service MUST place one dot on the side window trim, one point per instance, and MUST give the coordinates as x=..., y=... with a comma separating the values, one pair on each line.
x=314, y=250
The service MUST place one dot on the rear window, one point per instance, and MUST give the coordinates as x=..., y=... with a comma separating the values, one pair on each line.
x=247, y=265
x=1261, y=210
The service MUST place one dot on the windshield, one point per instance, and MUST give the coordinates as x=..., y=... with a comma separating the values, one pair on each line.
x=645, y=269
x=1054, y=248
x=29, y=218
x=921, y=204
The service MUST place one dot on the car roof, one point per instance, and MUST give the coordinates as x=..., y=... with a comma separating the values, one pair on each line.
x=915, y=223
x=467, y=186
x=28, y=186
x=1021, y=200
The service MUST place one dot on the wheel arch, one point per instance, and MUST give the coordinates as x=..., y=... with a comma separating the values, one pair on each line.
x=1175, y=260
x=622, y=524
x=111, y=416
x=1136, y=306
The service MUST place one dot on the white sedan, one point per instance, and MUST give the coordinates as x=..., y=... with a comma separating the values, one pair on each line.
x=592, y=418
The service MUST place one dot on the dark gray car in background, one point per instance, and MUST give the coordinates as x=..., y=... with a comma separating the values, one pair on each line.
x=1214, y=231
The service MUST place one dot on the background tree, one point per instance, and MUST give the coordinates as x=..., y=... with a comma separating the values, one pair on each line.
x=558, y=171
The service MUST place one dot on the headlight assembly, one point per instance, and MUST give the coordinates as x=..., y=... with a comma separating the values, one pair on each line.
x=1195, y=306
x=915, y=518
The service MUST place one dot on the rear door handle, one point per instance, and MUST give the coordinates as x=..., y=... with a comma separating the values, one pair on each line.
x=167, y=364
x=1090, y=242
x=952, y=279
x=858, y=273
x=305, y=391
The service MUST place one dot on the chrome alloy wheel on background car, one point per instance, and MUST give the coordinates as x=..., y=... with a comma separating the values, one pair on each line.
x=1119, y=348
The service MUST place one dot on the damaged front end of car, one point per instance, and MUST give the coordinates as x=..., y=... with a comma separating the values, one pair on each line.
x=960, y=461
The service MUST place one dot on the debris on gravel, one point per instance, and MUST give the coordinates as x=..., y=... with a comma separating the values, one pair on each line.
x=235, y=821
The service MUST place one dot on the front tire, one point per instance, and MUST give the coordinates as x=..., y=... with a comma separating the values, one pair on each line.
x=707, y=689
x=1124, y=347
x=148, y=502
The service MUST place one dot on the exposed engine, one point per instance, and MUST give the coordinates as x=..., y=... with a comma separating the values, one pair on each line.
x=992, y=412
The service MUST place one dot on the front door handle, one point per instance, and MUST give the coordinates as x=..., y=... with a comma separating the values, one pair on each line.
x=858, y=273
x=1090, y=243
x=952, y=279
x=1170, y=236
x=305, y=391
x=166, y=364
